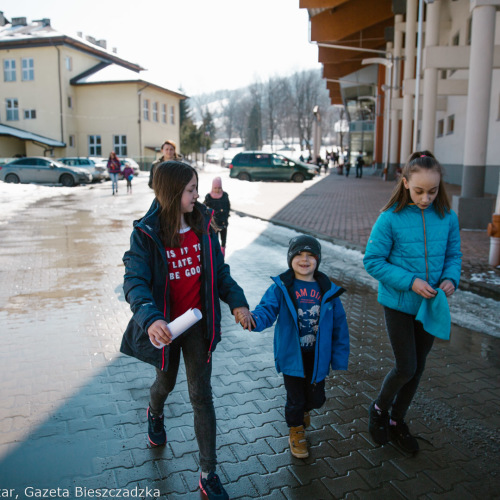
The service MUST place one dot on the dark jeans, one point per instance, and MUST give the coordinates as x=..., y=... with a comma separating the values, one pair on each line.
x=359, y=171
x=301, y=395
x=411, y=344
x=194, y=348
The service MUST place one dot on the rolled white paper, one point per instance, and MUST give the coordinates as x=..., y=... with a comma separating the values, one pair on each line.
x=182, y=323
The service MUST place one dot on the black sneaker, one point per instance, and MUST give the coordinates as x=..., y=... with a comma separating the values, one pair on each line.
x=378, y=424
x=156, y=430
x=400, y=434
x=211, y=488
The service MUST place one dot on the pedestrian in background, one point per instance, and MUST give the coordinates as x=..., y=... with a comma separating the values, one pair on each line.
x=168, y=153
x=114, y=169
x=175, y=264
x=413, y=249
x=311, y=334
x=218, y=201
x=359, y=165
x=128, y=175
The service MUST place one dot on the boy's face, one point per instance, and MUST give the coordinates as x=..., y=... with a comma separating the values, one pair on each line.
x=304, y=264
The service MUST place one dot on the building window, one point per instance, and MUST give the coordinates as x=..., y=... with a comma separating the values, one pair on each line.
x=451, y=124
x=71, y=141
x=172, y=115
x=145, y=109
x=155, y=111
x=68, y=61
x=95, y=148
x=29, y=114
x=455, y=41
x=440, y=130
x=120, y=145
x=28, y=67
x=70, y=102
x=12, y=109
x=164, y=113
x=9, y=70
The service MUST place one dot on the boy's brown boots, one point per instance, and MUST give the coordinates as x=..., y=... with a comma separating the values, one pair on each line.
x=298, y=443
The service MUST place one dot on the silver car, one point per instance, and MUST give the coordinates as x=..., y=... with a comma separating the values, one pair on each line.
x=44, y=170
x=97, y=169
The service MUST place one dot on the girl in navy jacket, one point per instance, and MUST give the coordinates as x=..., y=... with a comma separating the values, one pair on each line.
x=175, y=264
x=311, y=334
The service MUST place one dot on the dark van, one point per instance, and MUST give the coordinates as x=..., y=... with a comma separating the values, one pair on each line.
x=261, y=166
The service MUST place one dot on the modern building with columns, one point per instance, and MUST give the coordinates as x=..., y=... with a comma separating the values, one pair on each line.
x=372, y=54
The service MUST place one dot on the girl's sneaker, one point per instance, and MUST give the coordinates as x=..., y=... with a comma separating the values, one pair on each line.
x=378, y=424
x=156, y=430
x=400, y=434
x=211, y=488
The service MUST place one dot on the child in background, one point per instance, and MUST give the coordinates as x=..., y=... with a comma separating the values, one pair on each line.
x=414, y=248
x=128, y=175
x=175, y=264
x=218, y=200
x=310, y=336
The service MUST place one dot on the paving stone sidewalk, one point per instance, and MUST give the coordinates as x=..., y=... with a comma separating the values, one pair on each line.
x=72, y=411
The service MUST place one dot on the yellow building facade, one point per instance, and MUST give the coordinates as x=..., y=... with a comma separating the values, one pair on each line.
x=70, y=96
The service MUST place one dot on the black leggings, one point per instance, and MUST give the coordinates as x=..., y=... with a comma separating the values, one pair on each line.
x=223, y=237
x=411, y=344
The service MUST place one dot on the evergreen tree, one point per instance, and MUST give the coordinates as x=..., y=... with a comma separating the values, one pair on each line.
x=253, y=137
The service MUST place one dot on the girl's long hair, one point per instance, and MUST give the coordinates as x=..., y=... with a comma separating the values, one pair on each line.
x=169, y=182
x=420, y=160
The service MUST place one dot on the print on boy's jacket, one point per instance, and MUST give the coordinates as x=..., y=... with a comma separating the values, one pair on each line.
x=308, y=296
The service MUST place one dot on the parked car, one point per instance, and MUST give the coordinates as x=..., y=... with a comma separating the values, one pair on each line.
x=133, y=164
x=258, y=165
x=99, y=171
x=44, y=170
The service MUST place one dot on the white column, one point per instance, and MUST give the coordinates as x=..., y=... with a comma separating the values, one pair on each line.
x=398, y=49
x=430, y=78
x=478, y=102
x=409, y=73
x=387, y=109
x=474, y=210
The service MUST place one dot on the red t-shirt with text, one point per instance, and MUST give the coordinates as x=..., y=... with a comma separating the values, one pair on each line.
x=184, y=273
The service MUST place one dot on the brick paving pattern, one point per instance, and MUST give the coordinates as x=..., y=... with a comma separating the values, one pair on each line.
x=72, y=410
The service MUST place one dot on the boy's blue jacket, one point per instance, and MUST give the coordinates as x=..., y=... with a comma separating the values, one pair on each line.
x=146, y=287
x=409, y=244
x=332, y=340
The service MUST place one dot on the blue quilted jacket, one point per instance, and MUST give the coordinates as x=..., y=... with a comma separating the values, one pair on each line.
x=332, y=341
x=410, y=244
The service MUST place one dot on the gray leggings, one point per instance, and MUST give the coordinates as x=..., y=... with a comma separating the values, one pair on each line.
x=194, y=348
x=411, y=344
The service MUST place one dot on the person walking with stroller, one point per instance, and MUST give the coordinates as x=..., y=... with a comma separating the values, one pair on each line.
x=311, y=334
x=114, y=169
x=218, y=200
x=175, y=264
x=414, y=252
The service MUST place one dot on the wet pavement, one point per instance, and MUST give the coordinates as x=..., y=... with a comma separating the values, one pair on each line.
x=72, y=410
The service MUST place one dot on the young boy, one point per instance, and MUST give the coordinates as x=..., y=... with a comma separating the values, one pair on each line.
x=310, y=336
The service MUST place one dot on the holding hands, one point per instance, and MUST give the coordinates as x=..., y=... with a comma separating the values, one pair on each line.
x=243, y=316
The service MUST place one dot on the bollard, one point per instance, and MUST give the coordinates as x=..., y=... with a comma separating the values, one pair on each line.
x=494, y=233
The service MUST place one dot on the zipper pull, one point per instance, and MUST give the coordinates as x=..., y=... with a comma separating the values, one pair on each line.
x=209, y=356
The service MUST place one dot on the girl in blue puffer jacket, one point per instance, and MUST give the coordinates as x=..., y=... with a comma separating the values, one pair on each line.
x=413, y=249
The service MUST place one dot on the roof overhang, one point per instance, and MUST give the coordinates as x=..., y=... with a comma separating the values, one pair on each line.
x=5, y=130
x=347, y=31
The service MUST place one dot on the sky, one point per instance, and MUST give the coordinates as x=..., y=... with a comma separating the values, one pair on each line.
x=194, y=45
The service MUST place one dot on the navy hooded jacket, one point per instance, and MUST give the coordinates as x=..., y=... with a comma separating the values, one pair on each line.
x=146, y=287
